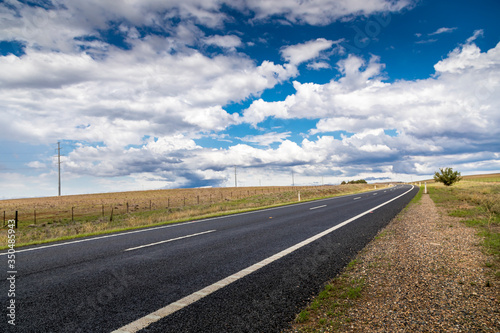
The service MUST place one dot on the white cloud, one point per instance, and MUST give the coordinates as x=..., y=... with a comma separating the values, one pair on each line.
x=318, y=65
x=297, y=54
x=322, y=12
x=36, y=165
x=228, y=42
x=440, y=115
x=47, y=96
x=442, y=31
x=477, y=33
x=468, y=56
x=267, y=138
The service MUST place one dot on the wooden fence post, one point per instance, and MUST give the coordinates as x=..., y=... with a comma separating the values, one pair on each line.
x=111, y=217
x=34, y=215
x=15, y=220
x=72, y=214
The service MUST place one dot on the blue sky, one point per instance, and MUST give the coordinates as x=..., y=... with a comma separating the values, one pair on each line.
x=154, y=94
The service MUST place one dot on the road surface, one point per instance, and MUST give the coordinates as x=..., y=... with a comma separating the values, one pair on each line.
x=250, y=272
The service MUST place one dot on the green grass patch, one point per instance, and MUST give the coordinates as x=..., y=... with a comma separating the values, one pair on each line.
x=330, y=306
x=302, y=317
x=463, y=212
x=418, y=196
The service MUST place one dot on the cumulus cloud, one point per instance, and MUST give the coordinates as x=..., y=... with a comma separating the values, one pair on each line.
x=138, y=106
x=228, y=42
x=322, y=12
x=444, y=114
x=119, y=99
x=267, y=138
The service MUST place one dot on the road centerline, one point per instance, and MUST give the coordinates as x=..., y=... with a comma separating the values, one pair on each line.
x=168, y=240
x=317, y=207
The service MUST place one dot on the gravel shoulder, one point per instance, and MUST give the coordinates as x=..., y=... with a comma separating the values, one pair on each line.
x=424, y=272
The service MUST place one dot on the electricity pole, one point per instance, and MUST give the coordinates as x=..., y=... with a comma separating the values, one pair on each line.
x=59, y=165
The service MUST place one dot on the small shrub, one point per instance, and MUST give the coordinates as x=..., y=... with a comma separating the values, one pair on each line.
x=447, y=176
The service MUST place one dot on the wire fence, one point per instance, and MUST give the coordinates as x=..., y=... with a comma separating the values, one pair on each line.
x=85, y=208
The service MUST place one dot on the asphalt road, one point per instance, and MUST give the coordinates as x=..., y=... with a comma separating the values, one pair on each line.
x=175, y=278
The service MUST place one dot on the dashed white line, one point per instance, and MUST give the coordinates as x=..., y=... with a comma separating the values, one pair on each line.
x=317, y=207
x=168, y=240
x=357, y=198
x=147, y=320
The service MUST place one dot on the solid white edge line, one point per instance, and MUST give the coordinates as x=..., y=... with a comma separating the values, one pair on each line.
x=145, y=321
x=167, y=241
x=317, y=207
x=171, y=225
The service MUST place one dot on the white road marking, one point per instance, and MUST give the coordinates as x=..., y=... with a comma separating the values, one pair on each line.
x=168, y=240
x=357, y=198
x=145, y=321
x=317, y=207
x=375, y=193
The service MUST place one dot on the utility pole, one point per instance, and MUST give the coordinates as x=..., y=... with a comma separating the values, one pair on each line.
x=59, y=165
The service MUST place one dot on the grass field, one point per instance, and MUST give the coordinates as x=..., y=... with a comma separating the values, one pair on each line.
x=55, y=218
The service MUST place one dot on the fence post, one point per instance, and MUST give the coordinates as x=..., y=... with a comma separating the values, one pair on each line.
x=127, y=207
x=103, y=210
x=72, y=214
x=4, y=217
x=15, y=220
x=425, y=188
x=34, y=215
x=111, y=217
x=149, y=204
x=198, y=200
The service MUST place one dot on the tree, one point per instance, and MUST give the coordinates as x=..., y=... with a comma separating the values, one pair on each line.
x=447, y=176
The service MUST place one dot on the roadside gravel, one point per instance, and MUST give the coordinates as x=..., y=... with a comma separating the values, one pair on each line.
x=424, y=273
